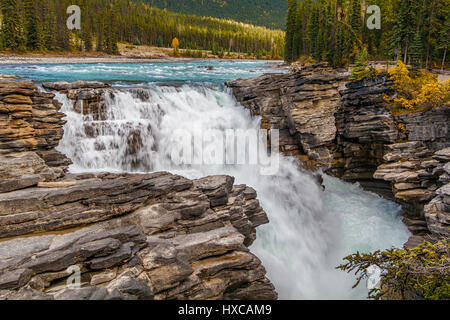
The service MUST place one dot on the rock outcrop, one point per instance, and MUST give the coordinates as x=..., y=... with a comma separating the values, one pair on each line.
x=127, y=236
x=153, y=236
x=300, y=105
x=30, y=121
x=88, y=96
x=346, y=129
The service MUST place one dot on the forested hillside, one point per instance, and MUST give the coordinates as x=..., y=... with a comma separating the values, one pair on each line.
x=40, y=25
x=415, y=31
x=268, y=13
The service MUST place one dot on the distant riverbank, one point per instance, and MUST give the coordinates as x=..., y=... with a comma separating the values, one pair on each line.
x=35, y=59
x=128, y=54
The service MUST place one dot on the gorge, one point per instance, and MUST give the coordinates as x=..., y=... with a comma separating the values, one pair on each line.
x=137, y=231
x=347, y=130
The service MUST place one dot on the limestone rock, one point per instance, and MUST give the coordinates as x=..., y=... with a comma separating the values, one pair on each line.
x=21, y=170
x=347, y=130
x=147, y=236
x=64, y=85
x=30, y=121
x=300, y=104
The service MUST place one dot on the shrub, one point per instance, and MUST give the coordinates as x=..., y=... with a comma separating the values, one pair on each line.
x=419, y=89
x=362, y=69
x=175, y=45
x=306, y=60
x=419, y=273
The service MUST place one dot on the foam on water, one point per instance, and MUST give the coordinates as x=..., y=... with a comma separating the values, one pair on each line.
x=310, y=230
x=198, y=71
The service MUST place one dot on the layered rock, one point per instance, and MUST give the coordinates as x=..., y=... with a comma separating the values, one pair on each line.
x=24, y=169
x=148, y=236
x=347, y=130
x=88, y=96
x=390, y=153
x=30, y=121
x=300, y=105
x=141, y=236
x=437, y=212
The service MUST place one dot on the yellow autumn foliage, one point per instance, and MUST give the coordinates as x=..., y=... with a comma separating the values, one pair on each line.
x=175, y=45
x=422, y=90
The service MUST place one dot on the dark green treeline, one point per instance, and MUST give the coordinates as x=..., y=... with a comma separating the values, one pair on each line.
x=40, y=25
x=414, y=31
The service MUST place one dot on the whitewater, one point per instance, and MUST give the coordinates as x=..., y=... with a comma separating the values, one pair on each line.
x=310, y=229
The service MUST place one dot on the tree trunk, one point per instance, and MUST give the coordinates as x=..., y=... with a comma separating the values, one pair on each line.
x=429, y=35
x=405, y=57
x=443, y=59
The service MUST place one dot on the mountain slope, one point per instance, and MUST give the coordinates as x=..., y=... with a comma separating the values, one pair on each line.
x=268, y=13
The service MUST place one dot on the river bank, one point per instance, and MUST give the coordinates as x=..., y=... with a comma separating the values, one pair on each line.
x=62, y=59
x=127, y=54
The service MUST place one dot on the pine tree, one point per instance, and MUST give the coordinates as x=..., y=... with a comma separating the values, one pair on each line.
x=33, y=31
x=355, y=16
x=49, y=25
x=298, y=36
x=359, y=70
x=313, y=31
x=86, y=35
x=110, y=33
x=12, y=33
x=444, y=34
x=405, y=28
x=355, y=22
x=290, y=30
x=100, y=32
x=415, y=53
x=63, y=35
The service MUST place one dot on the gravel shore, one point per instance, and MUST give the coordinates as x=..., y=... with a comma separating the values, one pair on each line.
x=79, y=60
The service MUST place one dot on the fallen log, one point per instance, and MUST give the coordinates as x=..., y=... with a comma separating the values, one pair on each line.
x=59, y=184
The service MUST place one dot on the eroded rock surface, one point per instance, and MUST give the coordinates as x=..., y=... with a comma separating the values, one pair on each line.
x=300, y=105
x=30, y=121
x=131, y=236
x=346, y=129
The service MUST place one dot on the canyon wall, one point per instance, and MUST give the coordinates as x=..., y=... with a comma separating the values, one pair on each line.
x=131, y=236
x=347, y=130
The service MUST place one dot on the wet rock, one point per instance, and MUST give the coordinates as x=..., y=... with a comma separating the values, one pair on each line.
x=347, y=130
x=301, y=105
x=64, y=85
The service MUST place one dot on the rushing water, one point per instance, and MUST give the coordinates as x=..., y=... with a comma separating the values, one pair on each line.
x=310, y=230
x=203, y=70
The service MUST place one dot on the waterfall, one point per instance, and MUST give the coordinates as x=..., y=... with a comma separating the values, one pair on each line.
x=310, y=230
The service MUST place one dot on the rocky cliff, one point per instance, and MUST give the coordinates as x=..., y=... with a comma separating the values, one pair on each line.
x=130, y=236
x=30, y=121
x=347, y=130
